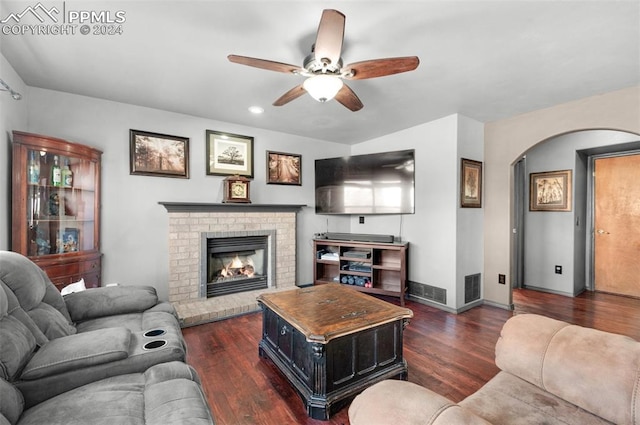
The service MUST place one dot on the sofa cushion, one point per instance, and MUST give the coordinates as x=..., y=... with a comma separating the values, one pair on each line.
x=109, y=301
x=51, y=322
x=595, y=370
x=137, y=322
x=164, y=394
x=138, y=360
x=35, y=293
x=17, y=343
x=507, y=399
x=16, y=346
x=78, y=351
x=17, y=312
x=523, y=343
x=406, y=403
x=25, y=279
x=12, y=402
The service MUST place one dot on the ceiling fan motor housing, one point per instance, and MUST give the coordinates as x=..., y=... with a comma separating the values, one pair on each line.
x=316, y=66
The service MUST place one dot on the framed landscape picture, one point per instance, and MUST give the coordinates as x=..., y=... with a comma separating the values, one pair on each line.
x=470, y=184
x=284, y=168
x=153, y=154
x=229, y=154
x=550, y=191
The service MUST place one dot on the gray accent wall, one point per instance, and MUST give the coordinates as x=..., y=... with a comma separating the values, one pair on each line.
x=560, y=238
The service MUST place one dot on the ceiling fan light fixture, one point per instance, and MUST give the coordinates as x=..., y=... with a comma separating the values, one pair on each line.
x=323, y=87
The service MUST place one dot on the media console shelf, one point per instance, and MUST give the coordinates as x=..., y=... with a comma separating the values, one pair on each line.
x=372, y=267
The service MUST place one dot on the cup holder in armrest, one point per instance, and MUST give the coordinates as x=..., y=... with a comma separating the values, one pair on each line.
x=154, y=332
x=156, y=343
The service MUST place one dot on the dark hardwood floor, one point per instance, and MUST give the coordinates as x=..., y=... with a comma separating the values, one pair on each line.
x=452, y=355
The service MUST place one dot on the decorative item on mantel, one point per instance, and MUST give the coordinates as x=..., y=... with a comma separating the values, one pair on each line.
x=236, y=190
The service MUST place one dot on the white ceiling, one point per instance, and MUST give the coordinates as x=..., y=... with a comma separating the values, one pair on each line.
x=487, y=60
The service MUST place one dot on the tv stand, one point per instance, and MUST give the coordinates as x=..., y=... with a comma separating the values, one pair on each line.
x=371, y=267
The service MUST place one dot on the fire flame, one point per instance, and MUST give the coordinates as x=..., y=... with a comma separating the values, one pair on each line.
x=238, y=268
x=236, y=263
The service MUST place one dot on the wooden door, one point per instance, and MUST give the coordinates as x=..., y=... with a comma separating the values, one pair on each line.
x=617, y=225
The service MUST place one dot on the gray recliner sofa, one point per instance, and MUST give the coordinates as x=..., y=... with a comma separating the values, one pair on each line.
x=60, y=343
x=167, y=393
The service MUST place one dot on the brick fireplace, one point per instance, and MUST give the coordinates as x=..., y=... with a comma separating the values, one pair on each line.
x=191, y=223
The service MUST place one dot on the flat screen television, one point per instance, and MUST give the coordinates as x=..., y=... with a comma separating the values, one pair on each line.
x=379, y=183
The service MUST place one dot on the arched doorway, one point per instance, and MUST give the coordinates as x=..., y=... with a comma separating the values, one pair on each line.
x=553, y=251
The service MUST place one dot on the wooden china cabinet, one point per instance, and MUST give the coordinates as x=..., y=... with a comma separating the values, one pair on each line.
x=56, y=207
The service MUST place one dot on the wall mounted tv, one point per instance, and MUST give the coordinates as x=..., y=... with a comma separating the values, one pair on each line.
x=379, y=183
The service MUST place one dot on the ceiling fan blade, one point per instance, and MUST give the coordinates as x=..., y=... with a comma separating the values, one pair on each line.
x=349, y=99
x=292, y=94
x=263, y=64
x=330, y=36
x=380, y=67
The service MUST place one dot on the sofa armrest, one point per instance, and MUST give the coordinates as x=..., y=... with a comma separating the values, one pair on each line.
x=109, y=301
x=170, y=370
x=78, y=351
x=409, y=404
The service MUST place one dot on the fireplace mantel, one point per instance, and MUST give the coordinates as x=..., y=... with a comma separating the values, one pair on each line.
x=229, y=207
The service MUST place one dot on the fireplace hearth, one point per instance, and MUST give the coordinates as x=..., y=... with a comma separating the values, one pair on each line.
x=236, y=264
x=191, y=224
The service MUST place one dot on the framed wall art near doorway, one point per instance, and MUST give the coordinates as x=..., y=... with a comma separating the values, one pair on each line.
x=550, y=191
x=470, y=183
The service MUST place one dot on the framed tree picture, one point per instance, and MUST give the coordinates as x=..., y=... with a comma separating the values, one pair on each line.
x=550, y=191
x=153, y=154
x=229, y=154
x=470, y=184
x=284, y=168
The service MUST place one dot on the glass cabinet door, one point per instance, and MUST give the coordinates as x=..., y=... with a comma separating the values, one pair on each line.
x=60, y=203
x=55, y=207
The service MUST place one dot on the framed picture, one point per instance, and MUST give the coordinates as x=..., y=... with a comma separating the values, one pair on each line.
x=470, y=184
x=161, y=155
x=284, y=168
x=550, y=191
x=68, y=240
x=229, y=154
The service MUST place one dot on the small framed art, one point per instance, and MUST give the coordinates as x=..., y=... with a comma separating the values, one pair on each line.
x=161, y=155
x=229, y=154
x=68, y=240
x=550, y=191
x=470, y=184
x=284, y=168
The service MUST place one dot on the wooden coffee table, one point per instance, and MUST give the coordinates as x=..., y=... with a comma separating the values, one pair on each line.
x=331, y=342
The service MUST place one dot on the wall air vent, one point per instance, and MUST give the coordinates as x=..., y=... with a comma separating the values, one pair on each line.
x=472, y=287
x=428, y=292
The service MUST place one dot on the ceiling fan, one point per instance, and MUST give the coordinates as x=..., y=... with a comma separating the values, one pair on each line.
x=324, y=70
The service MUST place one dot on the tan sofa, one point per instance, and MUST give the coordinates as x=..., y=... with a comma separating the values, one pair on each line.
x=552, y=372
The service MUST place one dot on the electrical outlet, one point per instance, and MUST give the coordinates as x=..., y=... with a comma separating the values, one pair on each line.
x=502, y=279
x=558, y=269
x=361, y=219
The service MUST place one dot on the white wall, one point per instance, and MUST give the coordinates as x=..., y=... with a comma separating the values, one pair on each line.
x=440, y=252
x=13, y=116
x=469, y=221
x=557, y=238
x=134, y=227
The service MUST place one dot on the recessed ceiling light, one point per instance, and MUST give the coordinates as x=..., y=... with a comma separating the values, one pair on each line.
x=256, y=109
